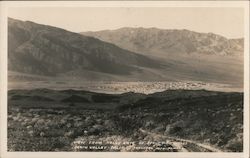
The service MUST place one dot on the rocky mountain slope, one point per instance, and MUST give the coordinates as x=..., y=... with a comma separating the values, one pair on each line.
x=158, y=42
x=47, y=50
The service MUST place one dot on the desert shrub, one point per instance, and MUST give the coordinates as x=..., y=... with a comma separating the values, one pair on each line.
x=173, y=130
x=159, y=129
x=104, y=98
x=109, y=124
x=125, y=125
x=93, y=131
x=50, y=144
x=235, y=144
x=149, y=124
x=75, y=98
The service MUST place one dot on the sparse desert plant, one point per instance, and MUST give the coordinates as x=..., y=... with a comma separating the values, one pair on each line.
x=236, y=144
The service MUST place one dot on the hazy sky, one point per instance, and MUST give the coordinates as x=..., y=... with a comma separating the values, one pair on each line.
x=228, y=22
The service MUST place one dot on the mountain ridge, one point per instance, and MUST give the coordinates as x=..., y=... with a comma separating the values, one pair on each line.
x=158, y=42
x=42, y=49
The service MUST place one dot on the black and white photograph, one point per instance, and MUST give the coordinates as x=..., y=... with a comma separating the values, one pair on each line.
x=126, y=79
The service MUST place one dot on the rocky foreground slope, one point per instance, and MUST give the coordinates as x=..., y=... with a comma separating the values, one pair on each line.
x=198, y=120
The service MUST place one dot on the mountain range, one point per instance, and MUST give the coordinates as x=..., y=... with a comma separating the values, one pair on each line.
x=162, y=42
x=126, y=54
